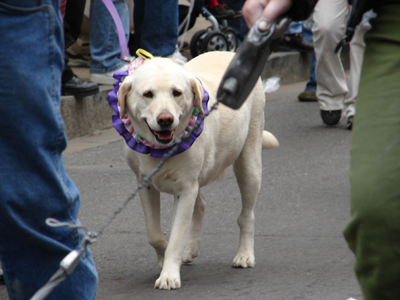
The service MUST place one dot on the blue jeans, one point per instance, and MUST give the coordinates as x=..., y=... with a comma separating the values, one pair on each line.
x=156, y=26
x=104, y=43
x=33, y=182
x=238, y=24
x=295, y=27
x=312, y=83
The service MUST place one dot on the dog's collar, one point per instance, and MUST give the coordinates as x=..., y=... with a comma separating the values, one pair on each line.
x=133, y=140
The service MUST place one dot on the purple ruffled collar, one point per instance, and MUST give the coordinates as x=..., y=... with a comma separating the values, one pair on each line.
x=129, y=136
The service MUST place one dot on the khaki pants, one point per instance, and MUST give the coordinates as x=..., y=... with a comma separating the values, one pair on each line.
x=333, y=91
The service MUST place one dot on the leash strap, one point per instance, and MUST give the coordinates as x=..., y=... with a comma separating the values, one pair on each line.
x=120, y=29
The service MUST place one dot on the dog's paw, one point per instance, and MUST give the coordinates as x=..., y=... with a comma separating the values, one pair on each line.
x=166, y=282
x=244, y=261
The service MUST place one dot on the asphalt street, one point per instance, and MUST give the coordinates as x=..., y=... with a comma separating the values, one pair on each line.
x=302, y=208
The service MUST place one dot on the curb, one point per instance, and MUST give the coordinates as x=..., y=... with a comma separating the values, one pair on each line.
x=86, y=115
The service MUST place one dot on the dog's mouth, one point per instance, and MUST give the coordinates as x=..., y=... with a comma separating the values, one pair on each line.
x=164, y=136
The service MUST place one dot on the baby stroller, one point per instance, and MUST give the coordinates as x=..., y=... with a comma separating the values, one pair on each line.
x=218, y=37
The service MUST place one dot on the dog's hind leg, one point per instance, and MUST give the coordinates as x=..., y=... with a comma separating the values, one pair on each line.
x=193, y=244
x=150, y=198
x=248, y=174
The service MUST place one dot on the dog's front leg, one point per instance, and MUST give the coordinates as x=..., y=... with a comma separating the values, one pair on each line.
x=193, y=244
x=150, y=198
x=183, y=211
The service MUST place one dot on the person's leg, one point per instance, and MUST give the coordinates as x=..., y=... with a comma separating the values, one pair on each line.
x=374, y=230
x=238, y=24
x=159, y=28
x=312, y=83
x=33, y=182
x=72, y=24
x=73, y=21
x=357, y=47
x=70, y=83
x=104, y=43
x=329, y=26
x=308, y=35
x=309, y=93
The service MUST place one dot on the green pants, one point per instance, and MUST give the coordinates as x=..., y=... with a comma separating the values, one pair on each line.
x=373, y=233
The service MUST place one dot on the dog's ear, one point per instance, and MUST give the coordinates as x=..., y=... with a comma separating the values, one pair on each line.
x=124, y=88
x=197, y=89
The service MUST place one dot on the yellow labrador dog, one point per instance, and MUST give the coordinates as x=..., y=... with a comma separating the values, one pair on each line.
x=160, y=98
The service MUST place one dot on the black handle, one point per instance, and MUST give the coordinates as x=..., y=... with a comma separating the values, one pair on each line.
x=246, y=67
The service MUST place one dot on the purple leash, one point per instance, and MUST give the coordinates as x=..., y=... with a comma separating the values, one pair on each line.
x=120, y=29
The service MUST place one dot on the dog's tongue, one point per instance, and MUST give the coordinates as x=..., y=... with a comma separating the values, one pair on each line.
x=164, y=135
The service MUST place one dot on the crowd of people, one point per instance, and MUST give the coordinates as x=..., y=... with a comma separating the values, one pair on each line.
x=36, y=38
x=155, y=26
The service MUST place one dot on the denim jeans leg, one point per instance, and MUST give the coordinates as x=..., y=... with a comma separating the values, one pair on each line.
x=158, y=28
x=238, y=24
x=104, y=43
x=33, y=182
x=312, y=83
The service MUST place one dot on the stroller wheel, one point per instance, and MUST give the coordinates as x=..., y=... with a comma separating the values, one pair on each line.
x=231, y=36
x=215, y=41
x=196, y=42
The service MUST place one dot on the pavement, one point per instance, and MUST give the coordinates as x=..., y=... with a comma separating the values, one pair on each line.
x=302, y=208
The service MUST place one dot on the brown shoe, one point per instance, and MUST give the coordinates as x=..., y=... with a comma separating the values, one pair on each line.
x=307, y=96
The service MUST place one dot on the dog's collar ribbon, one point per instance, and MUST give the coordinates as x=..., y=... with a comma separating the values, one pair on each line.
x=124, y=125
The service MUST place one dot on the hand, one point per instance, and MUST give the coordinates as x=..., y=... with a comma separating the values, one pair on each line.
x=266, y=10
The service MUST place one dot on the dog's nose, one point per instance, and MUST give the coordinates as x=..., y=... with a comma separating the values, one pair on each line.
x=165, y=119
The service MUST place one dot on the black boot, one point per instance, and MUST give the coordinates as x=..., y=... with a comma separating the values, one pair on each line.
x=331, y=117
x=79, y=88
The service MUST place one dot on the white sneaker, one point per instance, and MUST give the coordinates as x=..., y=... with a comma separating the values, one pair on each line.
x=106, y=78
x=177, y=56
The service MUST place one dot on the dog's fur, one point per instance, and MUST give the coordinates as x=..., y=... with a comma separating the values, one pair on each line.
x=230, y=137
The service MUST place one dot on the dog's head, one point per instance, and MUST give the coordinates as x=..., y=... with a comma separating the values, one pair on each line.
x=159, y=98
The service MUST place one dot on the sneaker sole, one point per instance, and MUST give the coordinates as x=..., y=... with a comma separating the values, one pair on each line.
x=102, y=79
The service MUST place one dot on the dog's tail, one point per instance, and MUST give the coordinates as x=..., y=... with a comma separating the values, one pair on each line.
x=269, y=140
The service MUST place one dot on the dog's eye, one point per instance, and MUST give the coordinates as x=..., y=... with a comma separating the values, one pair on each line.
x=176, y=93
x=148, y=94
